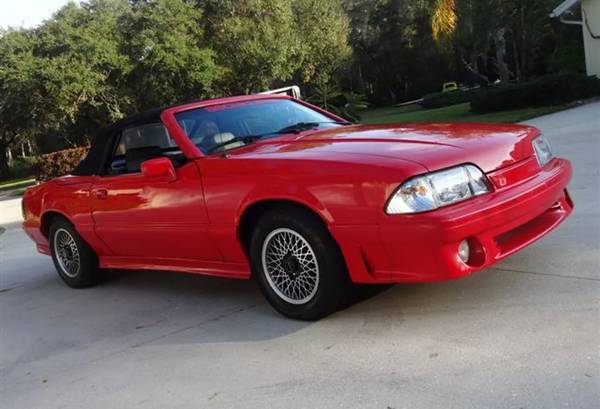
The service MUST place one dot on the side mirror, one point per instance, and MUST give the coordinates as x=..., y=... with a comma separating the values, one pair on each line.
x=160, y=169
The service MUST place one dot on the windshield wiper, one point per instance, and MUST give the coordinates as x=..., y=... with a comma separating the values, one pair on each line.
x=245, y=139
x=305, y=126
x=295, y=128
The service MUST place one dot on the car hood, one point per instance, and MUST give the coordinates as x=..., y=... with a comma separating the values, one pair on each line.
x=434, y=146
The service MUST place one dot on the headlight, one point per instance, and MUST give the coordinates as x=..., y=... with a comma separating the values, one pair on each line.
x=438, y=189
x=542, y=150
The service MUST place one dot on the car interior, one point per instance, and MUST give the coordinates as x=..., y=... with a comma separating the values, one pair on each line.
x=141, y=143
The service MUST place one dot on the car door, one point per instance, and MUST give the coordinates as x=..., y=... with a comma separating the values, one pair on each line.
x=151, y=218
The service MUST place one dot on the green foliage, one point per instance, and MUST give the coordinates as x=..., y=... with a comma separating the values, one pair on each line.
x=567, y=56
x=530, y=35
x=453, y=113
x=255, y=39
x=443, y=99
x=169, y=56
x=395, y=56
x=328, y=95
x=322, y=28
x=96, y=61
x=17, y=91
x=81, y=69
x=550, y=90
x=23, y=166
x=268, y=42
x=353, y=104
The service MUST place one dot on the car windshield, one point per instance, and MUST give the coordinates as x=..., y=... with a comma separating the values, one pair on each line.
x=228, y=126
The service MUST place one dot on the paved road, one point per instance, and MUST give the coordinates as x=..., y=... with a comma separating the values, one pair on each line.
x=522, y=335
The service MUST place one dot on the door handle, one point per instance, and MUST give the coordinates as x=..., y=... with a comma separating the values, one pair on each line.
x=101, y=194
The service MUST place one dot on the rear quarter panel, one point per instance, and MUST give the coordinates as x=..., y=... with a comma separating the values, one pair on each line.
x=68, y=196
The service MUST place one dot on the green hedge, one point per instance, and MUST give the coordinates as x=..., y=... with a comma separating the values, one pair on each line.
x=544, y=91
x=443, y=99
x=23, y=167
x=59, y=163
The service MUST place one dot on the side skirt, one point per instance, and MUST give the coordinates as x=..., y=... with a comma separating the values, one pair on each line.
x=209, y=268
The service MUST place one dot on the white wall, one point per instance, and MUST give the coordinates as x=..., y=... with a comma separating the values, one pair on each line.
x=592, y=46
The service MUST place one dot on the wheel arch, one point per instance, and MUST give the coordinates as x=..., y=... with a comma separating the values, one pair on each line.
x=48, y=217
x=253, y=211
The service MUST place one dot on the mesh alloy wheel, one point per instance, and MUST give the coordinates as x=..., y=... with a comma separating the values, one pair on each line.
x=67, y=253
x=75, y=261
x=290, y=266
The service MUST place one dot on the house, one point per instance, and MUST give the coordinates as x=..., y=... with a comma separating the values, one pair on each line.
x=585, y=13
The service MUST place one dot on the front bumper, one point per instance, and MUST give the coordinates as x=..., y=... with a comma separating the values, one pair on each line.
x=424, y=247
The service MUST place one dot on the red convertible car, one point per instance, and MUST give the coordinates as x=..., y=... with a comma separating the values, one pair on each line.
x=271, y=187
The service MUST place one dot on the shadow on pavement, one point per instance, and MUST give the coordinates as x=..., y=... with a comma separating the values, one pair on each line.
x=138, y=308
x=9, y=226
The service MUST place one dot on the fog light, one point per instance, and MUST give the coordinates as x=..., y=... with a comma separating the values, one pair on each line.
x=464, y=251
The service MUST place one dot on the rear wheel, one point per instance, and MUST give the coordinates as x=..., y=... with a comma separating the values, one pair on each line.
x=297, y=264
x=75, y=262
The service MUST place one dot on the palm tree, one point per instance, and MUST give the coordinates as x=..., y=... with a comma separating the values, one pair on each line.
x=443, y=20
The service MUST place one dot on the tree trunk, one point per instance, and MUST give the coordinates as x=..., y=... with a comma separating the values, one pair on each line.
x=360, y=81
x=524, y=46
x=500, y=44
x=516, y=57
x=4, y=168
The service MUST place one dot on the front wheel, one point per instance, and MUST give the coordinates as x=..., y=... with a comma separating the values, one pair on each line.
x=297, y=264
x=75, y=262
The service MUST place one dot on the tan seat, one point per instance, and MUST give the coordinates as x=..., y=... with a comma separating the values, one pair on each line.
x=224, y=137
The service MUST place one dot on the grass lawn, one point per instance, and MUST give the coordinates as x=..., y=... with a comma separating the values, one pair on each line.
x=452, y=113
x=17, y=183
x=19, y=192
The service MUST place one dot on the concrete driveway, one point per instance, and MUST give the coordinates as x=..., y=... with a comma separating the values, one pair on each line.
x=522, y=335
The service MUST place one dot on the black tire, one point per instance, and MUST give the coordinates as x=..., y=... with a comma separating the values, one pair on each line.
x=88, y=272
x=328, y=291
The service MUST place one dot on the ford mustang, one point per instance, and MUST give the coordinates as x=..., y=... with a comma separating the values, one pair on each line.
x=272, y=188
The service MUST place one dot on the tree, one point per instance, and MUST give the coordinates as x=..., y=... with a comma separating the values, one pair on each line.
x=255, y=40
x=328, y=95
x=443, y=20
x=264, y=43
x=531, y=35
x=17, y=79
x=96, y=61
x=170, y=59
x=322, y=29
x=501, y=39
x=395, y=56
x=81, y=71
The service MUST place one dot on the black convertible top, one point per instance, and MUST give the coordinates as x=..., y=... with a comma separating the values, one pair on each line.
x=104, y=138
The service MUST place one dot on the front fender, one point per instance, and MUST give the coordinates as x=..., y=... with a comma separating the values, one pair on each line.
x=282, y=191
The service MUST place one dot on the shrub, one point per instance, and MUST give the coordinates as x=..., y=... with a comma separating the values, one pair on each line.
x=328, y=95
x=23, y=166
x=59, y=163
x=553, y=89
x=442, y=99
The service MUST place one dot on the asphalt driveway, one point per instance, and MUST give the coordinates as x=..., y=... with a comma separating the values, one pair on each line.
x=522, y=335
